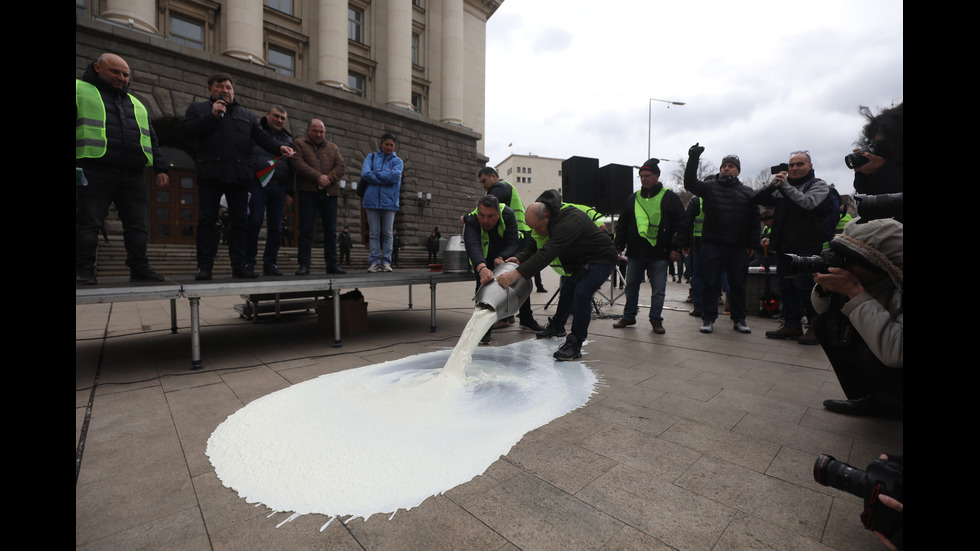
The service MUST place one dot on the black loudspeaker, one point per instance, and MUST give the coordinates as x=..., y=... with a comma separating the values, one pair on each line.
x=580, y=181
x=615, y=185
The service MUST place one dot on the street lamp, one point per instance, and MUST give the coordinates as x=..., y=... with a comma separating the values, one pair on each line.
x=650, y=118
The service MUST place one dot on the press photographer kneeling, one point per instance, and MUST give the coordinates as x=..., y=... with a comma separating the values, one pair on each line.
x=858, y=296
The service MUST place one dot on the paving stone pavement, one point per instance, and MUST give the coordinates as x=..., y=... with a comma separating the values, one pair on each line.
x=692, y=441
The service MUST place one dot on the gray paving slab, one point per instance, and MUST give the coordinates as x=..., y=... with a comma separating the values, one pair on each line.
x=691, y=441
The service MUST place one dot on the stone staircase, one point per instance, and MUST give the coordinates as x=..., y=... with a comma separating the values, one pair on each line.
x=181, y=260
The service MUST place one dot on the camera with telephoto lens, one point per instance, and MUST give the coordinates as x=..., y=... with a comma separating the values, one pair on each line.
x=856, y=159
x=882, y=477
x=828, y=258
x=887, y=205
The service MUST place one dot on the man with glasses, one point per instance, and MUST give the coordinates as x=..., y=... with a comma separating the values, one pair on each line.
x=796, y=196
x=729, y=234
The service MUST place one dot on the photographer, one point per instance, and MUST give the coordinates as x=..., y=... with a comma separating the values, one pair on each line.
x=860, y=321
x=879, y=162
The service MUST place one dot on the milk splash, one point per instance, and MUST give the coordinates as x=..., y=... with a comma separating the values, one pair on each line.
x=386, y=437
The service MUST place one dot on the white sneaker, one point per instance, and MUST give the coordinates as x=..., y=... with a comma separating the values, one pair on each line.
x=374, y=268
x=707, y=326
x=385, y=267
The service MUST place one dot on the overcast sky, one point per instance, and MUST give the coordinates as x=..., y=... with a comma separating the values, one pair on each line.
x=758, y=78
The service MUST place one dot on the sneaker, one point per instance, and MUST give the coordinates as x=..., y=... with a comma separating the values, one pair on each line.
x=531, y=324
x=553, y=330
x=571, y=350
x=374, y=268
x=707, y=326
x=808, y=338
x=386, y=267
x=624, y=323
x=741, y=327
x=144, y=273
x=658, y=327
x=785, y=332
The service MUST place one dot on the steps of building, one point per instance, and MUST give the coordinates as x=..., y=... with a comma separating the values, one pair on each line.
x=181, y=260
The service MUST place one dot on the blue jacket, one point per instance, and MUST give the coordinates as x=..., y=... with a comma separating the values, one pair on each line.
x=383, y=176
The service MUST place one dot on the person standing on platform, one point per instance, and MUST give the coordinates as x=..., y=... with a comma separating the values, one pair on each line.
x=222, y=134
x=319, y=168
x=114, y=143
x=271, y=189
x=382, y=174
x=346, y=244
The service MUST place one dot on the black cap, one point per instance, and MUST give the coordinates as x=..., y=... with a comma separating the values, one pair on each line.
x=653, y=165
x=734, y=160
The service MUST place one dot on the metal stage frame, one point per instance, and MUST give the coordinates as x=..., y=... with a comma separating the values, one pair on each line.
x=193, y=291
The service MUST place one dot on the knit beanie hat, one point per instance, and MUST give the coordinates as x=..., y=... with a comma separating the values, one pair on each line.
x=879, y=243
x=734, y=160
x=653, y=165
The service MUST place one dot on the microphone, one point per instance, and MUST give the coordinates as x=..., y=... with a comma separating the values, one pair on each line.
x=222, y=98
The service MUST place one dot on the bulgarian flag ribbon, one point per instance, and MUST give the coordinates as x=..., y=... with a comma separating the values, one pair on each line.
x=265, y=175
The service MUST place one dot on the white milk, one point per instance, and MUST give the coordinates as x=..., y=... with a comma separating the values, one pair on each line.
x=386, y=437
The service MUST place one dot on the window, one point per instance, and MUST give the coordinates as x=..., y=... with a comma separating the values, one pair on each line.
x=417, y=102
x=186, y=31
x=285, y=6
x=355, y=25
x=416, y=55
x=356, y=83
x=283, y=61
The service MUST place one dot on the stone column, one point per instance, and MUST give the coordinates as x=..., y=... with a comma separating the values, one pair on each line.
x=332, y=55
x=452, y=61
x=140, y=14
x=243, y=23
x=399, y=58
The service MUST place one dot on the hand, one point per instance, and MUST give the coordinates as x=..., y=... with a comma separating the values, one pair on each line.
x=163, y=179
x=497, y=261
x=505, y=279
x=286, y=151
x=840, y=281
x=874, y=163
x=765, y=242
x=289, y=200
x=486, y=275
x=696, y=150
x=780, y=178
x=219, y=108
x=323, y=181
x=674, y=255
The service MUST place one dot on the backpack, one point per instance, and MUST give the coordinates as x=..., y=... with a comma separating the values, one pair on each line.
x=828, y=213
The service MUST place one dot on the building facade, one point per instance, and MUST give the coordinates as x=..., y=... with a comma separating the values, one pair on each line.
x=531, y=175
x=415, y=68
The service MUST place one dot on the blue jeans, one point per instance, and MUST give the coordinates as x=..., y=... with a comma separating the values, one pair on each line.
x=719, y=262
x=266, y=203
x=312, y=203
x=380, y=223
x=578, y=291
x=656, y=271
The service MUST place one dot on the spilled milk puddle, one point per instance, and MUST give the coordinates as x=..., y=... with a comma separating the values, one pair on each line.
x=385, y=437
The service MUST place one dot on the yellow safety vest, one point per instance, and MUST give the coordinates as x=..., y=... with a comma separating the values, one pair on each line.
x=647, y=212
x=485, y=237
x=90, y=138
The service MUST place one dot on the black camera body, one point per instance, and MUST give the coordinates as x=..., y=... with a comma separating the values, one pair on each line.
x=856, y=159
x=883, y=477
x=782, y=167
x=829, y=258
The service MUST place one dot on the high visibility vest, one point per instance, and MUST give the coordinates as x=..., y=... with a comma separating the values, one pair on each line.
x=647, y=212
x=485, y=236
x=90, y=138
x=517, y=206
x=699, y=219
x=541, y=240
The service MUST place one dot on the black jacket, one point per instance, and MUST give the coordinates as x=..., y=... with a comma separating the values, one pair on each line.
x=284, y=174
x=573, y=238
x=673, y=234
x=124, y=154
x=504, y=246
x=223, y=147
x=730, y=216
x=796, y=214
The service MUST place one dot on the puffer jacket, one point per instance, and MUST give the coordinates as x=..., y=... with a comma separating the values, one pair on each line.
x=731, y=218
x=383, y=176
